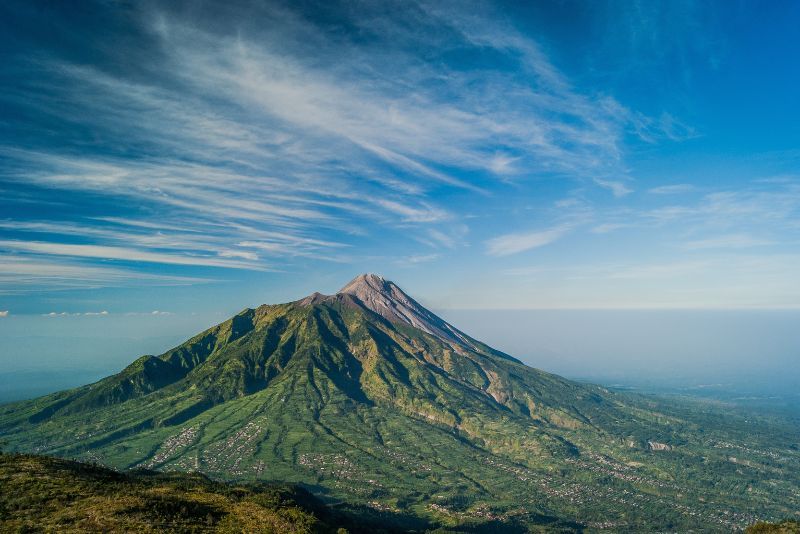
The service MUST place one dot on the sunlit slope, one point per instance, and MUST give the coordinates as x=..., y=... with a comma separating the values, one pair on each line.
x=366, y=407
x=300, y=362
x=43, y=494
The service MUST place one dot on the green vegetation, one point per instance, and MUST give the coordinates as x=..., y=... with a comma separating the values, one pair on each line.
x=784, y=527
x=385, y=419
x=48, y=494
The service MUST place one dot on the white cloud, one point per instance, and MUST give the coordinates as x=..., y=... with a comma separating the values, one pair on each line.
x=668, y=270
x=415, y=259
x=252, y=256
x=121, y=253
x=746, y=207
x=508, y=244
x=25, y=274
x=76, y=314
x=568, y=203
x=502, y=164
x=618, y=189
x=454, y=238
x=674, y=129
x=259, y=147
x=422, y=214
x=728, y=241
x=608, y=227
x=672, y=189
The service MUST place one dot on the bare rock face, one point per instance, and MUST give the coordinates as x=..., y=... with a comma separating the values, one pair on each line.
x=390, y=302
x=656, y=446
x=314, y=298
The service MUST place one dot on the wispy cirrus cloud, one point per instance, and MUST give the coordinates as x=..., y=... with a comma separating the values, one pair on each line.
x=121, y=253
x=606, y=228
x=422, y=258
x=515, y=243
x=213, y=143
x=730, y=208
x=672, y=189
x=422, y=214
x=20, y=274
x=728, y=241
x=617, y=188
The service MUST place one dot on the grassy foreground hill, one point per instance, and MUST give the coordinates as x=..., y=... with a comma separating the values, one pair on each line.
x=48, y=494
x=368, y=398
x=784, y=527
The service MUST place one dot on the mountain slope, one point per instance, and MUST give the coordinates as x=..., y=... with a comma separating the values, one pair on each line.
x=47, y=494
x=371, y=398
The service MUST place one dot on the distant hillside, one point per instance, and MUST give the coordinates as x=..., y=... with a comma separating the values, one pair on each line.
x=370, y=399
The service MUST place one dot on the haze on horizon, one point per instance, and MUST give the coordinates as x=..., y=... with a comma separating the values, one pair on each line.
x=164, y=166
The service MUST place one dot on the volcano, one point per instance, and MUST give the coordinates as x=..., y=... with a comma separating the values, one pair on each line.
x=367, y=397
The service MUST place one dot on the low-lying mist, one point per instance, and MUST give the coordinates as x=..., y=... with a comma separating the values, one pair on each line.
x=751, y=355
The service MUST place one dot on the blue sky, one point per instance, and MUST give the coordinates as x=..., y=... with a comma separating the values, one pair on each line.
x=192, y=158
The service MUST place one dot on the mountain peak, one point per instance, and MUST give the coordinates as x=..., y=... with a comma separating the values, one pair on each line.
x=386, y=299
x=367, y=282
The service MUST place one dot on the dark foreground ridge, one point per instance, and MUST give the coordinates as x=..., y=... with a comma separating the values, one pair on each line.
x=370, y=400
x=48, y=494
